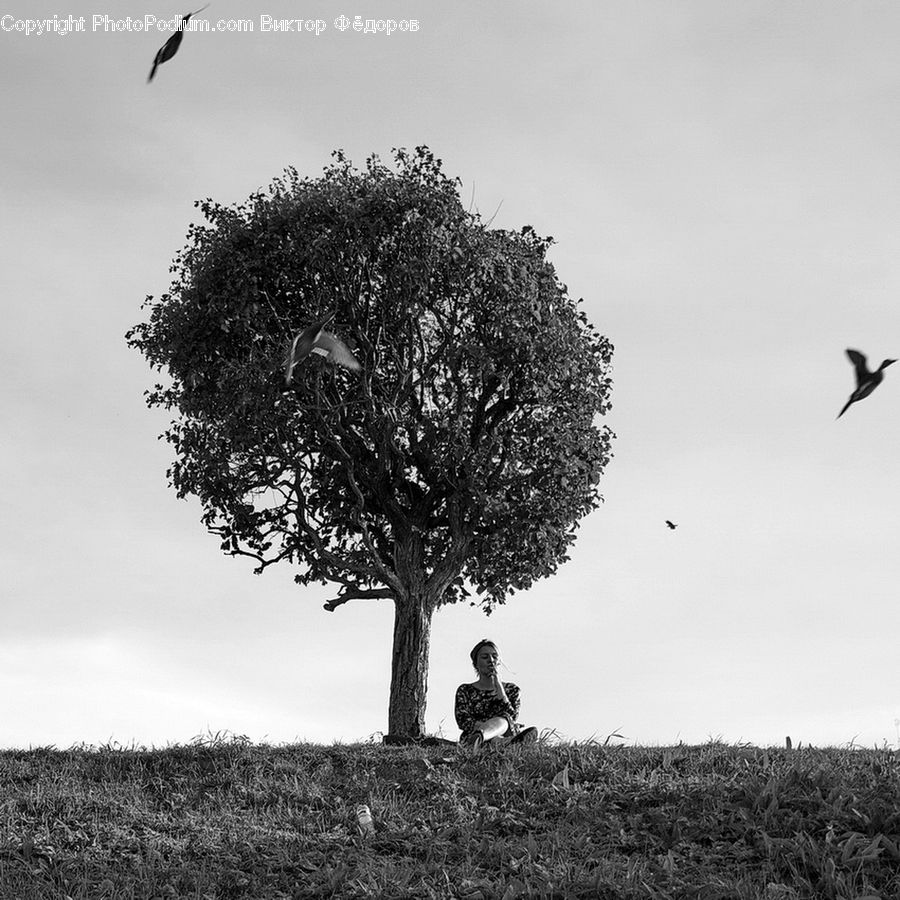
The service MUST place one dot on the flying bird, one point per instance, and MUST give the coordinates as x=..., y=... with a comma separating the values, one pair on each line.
x=671, y=525
x=316, y=339
x=866, y=381
x=170, y=47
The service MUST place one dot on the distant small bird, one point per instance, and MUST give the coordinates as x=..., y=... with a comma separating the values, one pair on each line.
x=316, y=340
x=170, y=47
x=671, y=525
x=866, y=381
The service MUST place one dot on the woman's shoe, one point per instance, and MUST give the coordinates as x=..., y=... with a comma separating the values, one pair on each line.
x=525, y=736
x=472, y=739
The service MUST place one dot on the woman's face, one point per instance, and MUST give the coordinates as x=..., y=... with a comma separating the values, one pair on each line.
x=487, y=660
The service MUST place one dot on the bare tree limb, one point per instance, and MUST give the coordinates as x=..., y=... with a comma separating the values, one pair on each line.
x=334, y=563
x=352, y=593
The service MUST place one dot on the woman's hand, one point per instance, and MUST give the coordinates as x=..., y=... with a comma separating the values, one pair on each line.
x=497, y=684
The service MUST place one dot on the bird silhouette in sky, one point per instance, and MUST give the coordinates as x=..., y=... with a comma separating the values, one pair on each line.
x=170, y=47
x=866, y=381
x=316, y=339
x=671, y=525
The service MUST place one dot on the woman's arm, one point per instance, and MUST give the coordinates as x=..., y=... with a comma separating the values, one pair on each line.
x=513, y=699
x=506, y=700
x=465, y=719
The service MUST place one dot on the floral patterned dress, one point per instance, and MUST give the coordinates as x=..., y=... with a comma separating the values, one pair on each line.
x=475, y=705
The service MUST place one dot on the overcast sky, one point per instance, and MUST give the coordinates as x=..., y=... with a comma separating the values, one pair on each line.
x=721, y=180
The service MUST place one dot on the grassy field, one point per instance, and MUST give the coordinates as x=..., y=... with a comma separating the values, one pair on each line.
x=229, y=819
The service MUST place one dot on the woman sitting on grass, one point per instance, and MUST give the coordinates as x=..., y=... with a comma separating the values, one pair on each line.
x=486, y=710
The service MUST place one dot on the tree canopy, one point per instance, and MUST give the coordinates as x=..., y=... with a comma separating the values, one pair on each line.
x=456, y=464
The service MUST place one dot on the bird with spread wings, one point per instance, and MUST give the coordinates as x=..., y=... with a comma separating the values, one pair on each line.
x=315, y=339
x=866, y=381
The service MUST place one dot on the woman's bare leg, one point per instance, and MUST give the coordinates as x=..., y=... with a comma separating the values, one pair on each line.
x=492, y=728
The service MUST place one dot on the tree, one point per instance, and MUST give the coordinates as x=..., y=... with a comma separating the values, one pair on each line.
x=457, y=463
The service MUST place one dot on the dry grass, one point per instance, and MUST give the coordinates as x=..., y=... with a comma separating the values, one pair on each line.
x=228, y=819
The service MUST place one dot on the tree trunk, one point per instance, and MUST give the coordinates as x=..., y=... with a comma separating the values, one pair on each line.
x=409, y=666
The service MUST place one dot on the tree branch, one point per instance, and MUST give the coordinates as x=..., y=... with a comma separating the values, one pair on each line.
x=332, y=561
x=379, y=565
x=349, y=593
x=491, y=383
